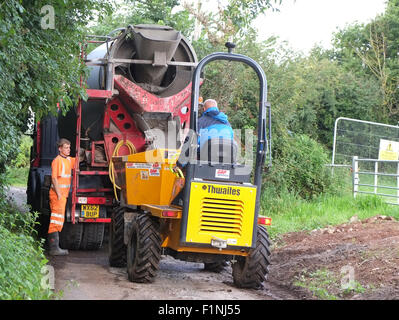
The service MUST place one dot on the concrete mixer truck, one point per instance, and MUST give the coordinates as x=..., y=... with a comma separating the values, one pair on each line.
x=129, y=139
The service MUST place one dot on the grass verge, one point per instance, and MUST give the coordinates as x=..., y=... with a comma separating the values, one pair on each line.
x=294, y=214
x=326, y=285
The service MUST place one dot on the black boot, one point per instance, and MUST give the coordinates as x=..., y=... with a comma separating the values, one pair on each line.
x=53, y=242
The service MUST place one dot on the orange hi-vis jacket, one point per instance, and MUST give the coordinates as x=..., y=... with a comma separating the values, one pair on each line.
x=61, y=168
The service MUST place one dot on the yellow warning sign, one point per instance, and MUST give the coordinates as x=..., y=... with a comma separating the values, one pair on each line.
x=389, y=150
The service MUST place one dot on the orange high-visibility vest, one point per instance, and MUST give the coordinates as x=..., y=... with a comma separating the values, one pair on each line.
x=61, y=170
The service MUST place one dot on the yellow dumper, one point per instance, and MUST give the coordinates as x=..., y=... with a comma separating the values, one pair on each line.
x=203, y=210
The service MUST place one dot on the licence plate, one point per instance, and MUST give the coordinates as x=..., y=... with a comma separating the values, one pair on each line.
x=90, y=210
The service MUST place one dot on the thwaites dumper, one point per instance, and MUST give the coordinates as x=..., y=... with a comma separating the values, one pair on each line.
x=195, y=205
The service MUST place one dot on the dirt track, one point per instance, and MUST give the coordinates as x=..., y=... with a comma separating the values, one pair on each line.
x=87, y=275
x=357, y=260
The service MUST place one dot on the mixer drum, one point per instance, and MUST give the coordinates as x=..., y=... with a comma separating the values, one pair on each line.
x=159, y=44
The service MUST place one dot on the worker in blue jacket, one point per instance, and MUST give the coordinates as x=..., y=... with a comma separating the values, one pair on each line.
x=213, y=124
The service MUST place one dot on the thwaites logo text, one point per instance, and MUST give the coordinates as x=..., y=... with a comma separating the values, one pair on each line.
x=222, y=190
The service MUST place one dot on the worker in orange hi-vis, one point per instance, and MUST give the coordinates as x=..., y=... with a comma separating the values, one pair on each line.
x=60, y=184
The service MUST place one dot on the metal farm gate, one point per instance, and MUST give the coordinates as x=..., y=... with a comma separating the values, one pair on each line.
x=378, y=177
x=357, y=146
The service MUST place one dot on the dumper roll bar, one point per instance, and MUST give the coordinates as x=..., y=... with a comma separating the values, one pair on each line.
x=264, y=143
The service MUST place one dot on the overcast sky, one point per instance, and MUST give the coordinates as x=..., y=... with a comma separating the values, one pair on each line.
x=304, y=23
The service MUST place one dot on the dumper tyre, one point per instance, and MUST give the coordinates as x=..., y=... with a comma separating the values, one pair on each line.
x=143, y=249
x=251, y=271
x=116, y=244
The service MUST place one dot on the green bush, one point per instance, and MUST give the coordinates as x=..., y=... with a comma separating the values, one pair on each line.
x=22, y=261
x=23, y=157
x=299, y=168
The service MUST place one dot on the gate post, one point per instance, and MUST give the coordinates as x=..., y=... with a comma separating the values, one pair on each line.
x=355, y=175
x=397, y=182
x=375, y=176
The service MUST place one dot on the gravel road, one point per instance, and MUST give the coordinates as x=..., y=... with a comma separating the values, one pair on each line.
x=87, y=275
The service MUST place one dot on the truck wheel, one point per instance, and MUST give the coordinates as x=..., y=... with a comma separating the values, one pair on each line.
x=251, y=271
x=34, y=197
x=143, y=249
x=93, y=233
x=31, y=191
x=116, y=245
x=71, y=236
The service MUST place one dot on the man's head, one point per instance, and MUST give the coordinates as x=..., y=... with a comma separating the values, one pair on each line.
x=209, y=103
x=64, y=147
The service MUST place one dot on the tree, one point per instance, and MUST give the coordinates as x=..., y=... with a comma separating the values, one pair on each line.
x=372, y=49
x=324, y=91
x=231, y=20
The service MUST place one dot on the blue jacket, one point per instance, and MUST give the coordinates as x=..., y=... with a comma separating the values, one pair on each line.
x=214, y=124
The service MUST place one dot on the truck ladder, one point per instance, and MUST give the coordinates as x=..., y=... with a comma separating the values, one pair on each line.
x=93, y=94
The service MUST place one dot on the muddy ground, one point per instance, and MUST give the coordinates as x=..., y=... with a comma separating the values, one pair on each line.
x=356, y=260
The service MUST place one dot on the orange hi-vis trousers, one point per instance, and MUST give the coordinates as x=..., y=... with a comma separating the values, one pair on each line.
x=57, y=208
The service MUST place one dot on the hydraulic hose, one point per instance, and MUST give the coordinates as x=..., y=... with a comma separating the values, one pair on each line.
x=111, y=172
x=175, y=170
